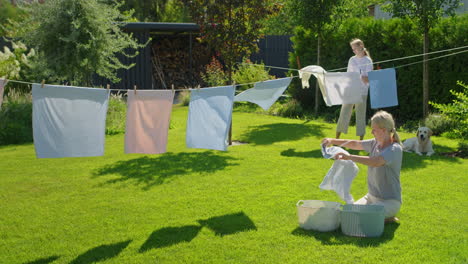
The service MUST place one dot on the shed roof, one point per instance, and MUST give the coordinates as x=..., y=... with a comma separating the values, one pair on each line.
x=163, y=27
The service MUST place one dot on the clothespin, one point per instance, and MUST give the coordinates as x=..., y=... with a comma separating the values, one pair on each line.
x=42, y=83
x=172, y=87
x=108, y=87
x=198, y=87
x=134, y=88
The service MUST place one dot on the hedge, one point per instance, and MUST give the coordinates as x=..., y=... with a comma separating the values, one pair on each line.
x=388, y=39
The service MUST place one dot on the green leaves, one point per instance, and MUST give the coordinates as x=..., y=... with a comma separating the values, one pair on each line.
x=78, y=38
x=231, y=27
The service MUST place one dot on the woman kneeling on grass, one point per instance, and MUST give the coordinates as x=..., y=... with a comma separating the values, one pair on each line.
x=384, y=163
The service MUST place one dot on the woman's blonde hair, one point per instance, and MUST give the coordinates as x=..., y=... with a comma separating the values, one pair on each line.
x=385, y=120
x=360, y=43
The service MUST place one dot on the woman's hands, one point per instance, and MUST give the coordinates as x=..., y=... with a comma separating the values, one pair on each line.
x=327, y=142
x=342, y=156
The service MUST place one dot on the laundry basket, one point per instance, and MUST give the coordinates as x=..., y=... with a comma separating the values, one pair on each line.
x=362, y=220
x=318, y=215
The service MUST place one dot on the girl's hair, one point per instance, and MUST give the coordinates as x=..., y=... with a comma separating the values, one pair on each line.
x=383, y=119
x=359, y=43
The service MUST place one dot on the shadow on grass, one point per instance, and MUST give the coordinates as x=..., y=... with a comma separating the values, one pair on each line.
x=338, y=238
x=412, y=161
x=155, y=171
x=169, y=236
x=43, y=260
x=271, y=133
x=302, y=154
x=101, y=253
x=229, y=224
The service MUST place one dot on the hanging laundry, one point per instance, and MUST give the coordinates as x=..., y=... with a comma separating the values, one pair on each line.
x=340, y=176
x=264, y=93
x=148, y=118
x=343, y=88
x=337, y=87
x=310, y=70
x=3, y=82
x=69, y=121
x=209, y=119
x=319, y=73
x=383, y=88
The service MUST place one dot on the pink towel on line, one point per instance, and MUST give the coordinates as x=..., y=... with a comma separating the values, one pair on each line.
x=148, y=118
x=3, y=82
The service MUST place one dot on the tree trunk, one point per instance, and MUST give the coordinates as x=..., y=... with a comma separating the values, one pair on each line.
x=426, y=73
x=317, y=93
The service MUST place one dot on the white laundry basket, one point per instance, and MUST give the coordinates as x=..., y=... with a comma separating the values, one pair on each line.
x=318, y=215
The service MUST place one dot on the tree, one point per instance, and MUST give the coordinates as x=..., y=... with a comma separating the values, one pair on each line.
x=8, y=12
x=426, y=13
x=231, y=27
x=313, y=15
x=156, y=10
x=78, y=38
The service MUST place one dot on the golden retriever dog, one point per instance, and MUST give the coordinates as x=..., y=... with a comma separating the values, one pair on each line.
x=421, y=143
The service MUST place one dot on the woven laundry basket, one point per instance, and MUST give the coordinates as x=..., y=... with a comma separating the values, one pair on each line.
x=362, y=220
x=318, y=215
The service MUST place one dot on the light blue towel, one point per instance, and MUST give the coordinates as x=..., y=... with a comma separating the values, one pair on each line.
x=264, y=93
x=69, y=121
x=383, y=88
x=209, y=119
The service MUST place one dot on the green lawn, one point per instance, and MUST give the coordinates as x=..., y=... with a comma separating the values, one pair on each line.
x=202, y=206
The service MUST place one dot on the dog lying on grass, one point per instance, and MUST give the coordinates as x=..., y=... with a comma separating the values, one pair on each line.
x=421, y=143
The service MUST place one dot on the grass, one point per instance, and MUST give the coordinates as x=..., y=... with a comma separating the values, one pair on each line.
x=203, y=206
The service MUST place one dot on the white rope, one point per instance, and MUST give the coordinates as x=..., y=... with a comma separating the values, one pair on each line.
x=243, y=84
x=396, y=59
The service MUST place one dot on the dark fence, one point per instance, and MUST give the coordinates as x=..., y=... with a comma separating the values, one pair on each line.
x=274, y=51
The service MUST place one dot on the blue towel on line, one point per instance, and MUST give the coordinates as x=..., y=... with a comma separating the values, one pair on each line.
x=69, y=121
x=209, y=119
x=383, y=88
x=264, y=93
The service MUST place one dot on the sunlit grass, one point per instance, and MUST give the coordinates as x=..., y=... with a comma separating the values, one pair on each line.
x=203, y=206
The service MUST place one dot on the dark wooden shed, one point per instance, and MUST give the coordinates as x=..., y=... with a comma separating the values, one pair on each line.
x=144, y=74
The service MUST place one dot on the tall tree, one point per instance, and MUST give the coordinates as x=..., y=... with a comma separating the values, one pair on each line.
x=426, y=13
x=313, y=15
x=78, y=38
x=231, y=27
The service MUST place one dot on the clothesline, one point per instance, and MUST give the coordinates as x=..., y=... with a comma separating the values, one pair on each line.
x=291, y=69
x=186, y=89
x=378, y=62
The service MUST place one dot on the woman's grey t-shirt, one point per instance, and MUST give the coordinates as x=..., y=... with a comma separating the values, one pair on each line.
x=384, y=182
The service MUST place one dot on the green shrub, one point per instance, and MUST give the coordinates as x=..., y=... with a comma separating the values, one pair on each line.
x=438, y=124
x=16, y=119
x=291, y=108
x=184, y=97
x=456, y=112
x=116, y=115
x=250, y=73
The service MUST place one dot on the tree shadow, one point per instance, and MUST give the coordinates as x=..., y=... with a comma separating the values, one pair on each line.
x=229, y=224
x=101, y=253
x=338, y=238
x=302, y=154
x=270, y=133
x=43, y=260
x=169, y=236
x=151, y=171
x=412, y=161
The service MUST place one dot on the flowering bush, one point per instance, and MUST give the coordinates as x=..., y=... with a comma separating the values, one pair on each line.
x=12, y=62
x=215, y=75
